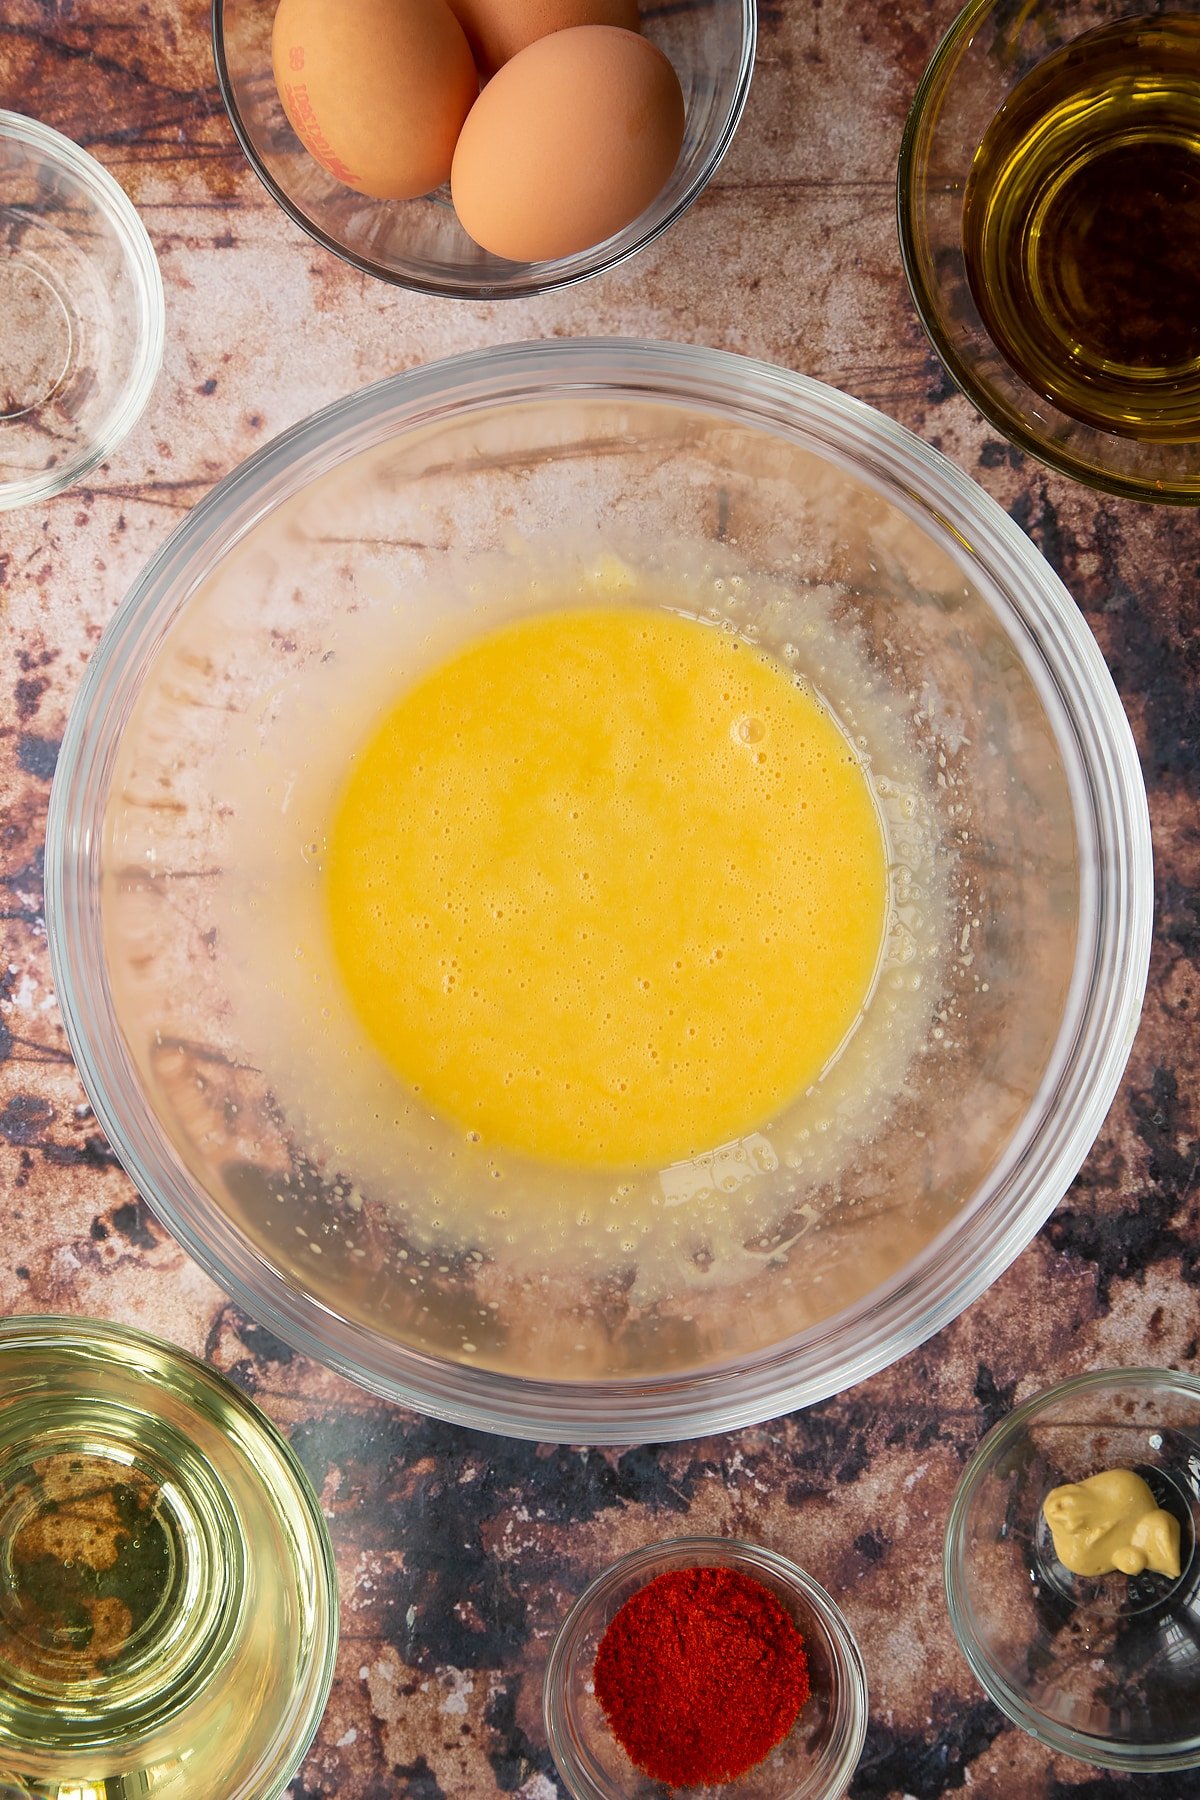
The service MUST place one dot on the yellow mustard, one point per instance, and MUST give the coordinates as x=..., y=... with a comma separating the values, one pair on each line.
x=1111, y=1521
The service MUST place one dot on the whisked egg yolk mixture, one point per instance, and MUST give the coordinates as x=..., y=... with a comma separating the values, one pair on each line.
x=607, y=887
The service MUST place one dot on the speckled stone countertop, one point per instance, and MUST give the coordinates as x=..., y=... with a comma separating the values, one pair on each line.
x=448, y=1608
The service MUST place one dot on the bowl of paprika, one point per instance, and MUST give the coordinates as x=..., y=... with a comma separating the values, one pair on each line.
x=701, y=1664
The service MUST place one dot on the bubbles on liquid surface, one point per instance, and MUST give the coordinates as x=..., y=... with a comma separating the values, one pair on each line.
x=322, y=1076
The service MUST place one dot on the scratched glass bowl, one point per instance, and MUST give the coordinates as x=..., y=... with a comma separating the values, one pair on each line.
x=593, y=1306
x=814, y=1762
x=81, y=313
x=1106, y=1668
x=420, y=244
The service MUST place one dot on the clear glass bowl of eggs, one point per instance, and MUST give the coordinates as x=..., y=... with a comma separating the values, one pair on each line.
x=602, y=888
x=484, y=148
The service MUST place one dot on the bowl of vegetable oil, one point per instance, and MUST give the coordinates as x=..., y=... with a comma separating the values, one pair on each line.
x=168, y=1600
x=1049, y=212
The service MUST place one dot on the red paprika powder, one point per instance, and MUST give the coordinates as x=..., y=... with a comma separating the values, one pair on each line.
x=699, y=1675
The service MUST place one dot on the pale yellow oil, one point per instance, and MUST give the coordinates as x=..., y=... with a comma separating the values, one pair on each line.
x=164, y=1596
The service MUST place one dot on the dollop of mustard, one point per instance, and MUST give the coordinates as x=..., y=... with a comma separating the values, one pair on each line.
x=1111, y=1521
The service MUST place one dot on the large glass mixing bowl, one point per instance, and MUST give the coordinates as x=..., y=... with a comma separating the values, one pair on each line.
x=775, y=1270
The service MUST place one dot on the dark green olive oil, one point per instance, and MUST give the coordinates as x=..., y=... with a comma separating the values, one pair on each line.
x=1081, y=228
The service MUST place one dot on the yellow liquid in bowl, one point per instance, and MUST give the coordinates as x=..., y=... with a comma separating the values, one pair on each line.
x=607, y=887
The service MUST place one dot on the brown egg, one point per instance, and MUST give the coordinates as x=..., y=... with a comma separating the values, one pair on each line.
x=497, y=29
x=568, y=143
x=376, y=90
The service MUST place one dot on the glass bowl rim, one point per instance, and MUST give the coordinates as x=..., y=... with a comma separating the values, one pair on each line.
x=1091, y=1051
x=579, y=267
x=111, y=200
x=735, y=1553
x=95, y=1337
x=1084, y=1745
x=1148, y=489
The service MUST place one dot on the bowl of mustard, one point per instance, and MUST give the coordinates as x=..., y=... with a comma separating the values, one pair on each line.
x=1072, y=1566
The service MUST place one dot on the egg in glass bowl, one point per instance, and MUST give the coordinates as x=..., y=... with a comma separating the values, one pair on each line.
x=419, y=243
x=702, y=1150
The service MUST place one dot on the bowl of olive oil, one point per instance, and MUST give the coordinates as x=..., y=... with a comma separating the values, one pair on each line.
x=1049, y=208
x=168, y=1600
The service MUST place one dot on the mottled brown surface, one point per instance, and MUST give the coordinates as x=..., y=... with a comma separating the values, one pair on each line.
x=448, y=1607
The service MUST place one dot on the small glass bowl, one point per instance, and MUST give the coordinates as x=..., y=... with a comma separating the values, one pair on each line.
x=81, y=313
x=1105, y=1669
x=420, y=244
x=814, y=1762
x=986, y=53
